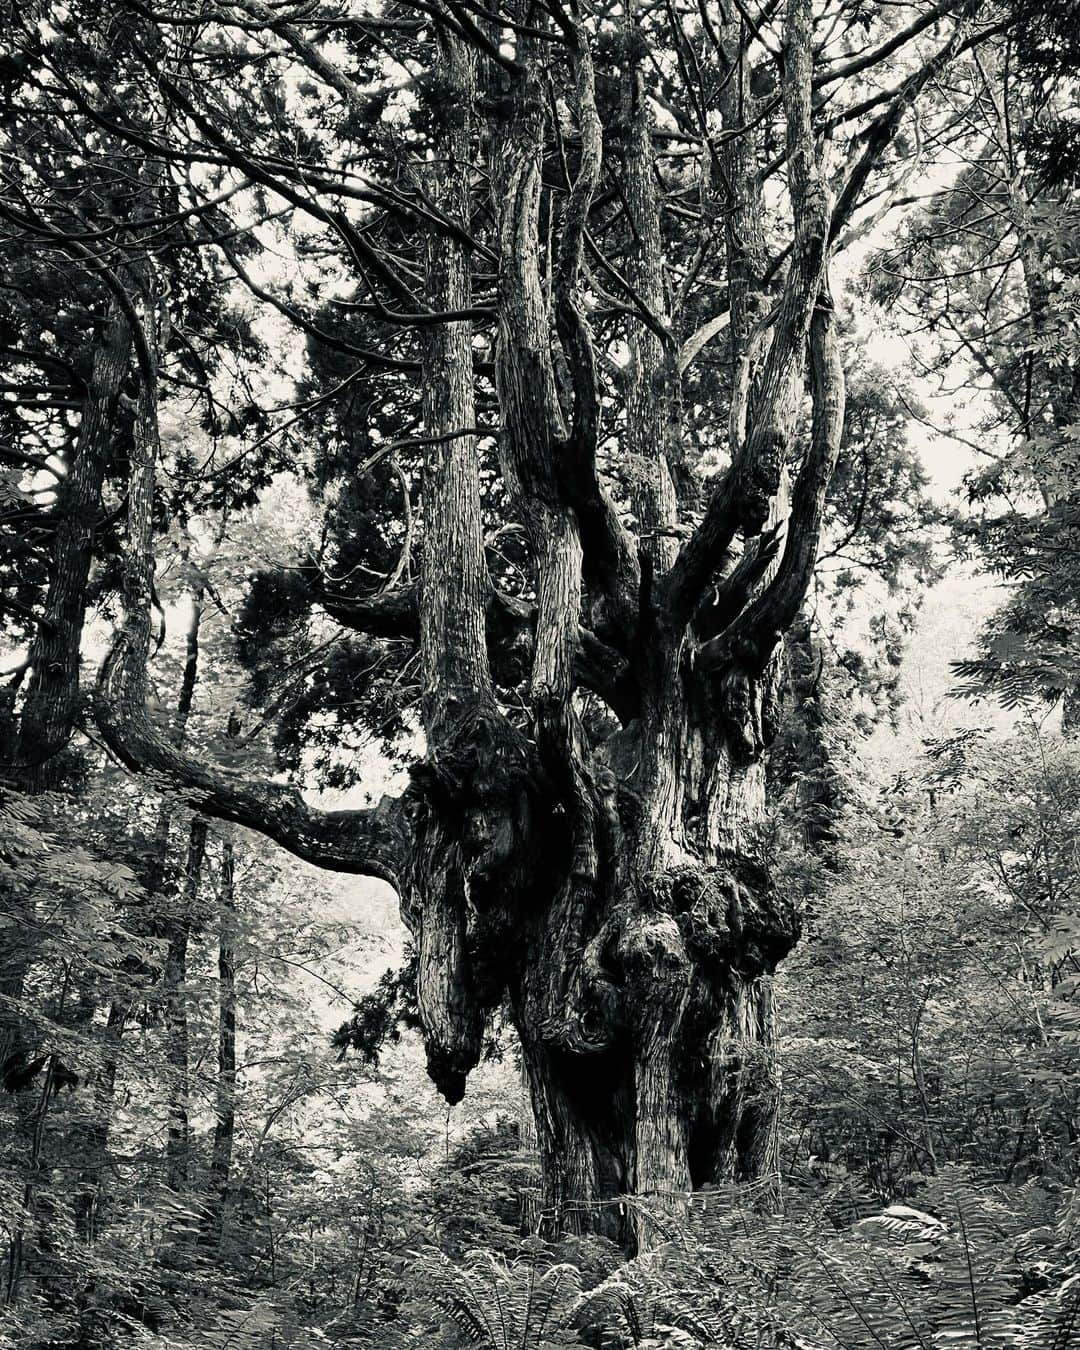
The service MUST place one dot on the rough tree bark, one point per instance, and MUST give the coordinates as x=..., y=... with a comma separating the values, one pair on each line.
x=621, y=905
x=50, y=704
x=602, y=877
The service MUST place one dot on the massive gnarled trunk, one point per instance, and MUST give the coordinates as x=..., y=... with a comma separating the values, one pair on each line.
x=587, y=851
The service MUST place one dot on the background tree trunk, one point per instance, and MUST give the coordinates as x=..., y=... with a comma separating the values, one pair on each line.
x=174, y=996
x=88, y=1202
x=225, y=1103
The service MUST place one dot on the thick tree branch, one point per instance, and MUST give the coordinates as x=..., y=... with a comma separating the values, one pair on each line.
x=754, y=635
x=736, y=588
x=570, y=320
x=700, y=339
x=741, y=500
x=370, y=842
x=882, y=131
x=653, y=432
x=390, y=614
x=856, y=64
x=510, y=625
x=533, y=428
x=454, y=578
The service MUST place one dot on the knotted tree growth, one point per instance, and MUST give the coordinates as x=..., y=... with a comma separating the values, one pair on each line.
x=587, y=321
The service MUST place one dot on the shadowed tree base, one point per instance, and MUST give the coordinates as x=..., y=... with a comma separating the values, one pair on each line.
x=642, y=1000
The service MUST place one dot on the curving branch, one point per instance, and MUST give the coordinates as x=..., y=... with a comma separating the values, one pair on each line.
x=700, y=339
x=772, y=419
x=369, y=842
x=844, y=70
x=741, y=495
x=393, y=613
x=704, y=551
x=736, y=588
x=881, y=132
x=754, y=635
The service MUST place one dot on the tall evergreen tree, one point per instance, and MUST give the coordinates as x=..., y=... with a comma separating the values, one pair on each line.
x=578, y=266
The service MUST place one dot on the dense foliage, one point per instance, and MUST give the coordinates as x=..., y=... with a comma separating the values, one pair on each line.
x=929, y=1130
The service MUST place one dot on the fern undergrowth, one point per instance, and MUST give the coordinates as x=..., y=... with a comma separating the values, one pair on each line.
x=964, y=1266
